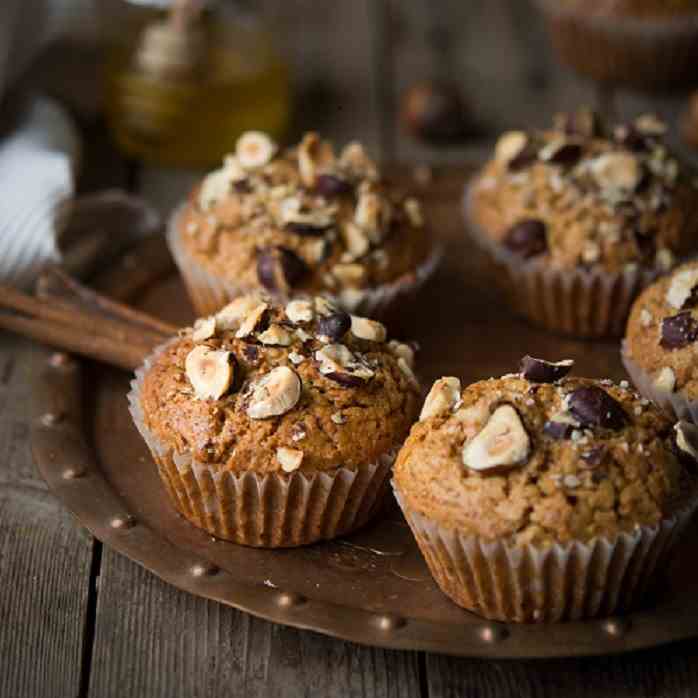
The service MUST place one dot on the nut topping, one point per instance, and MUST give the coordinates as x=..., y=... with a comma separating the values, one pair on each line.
x=274, y=394
x=313, y=154
x=275, y=335
x=443, y=397
x=218, y=184
x=402, y=351
x=413, y=209
x=204, y=328
x=254, y=149
x=230, y=316
x=618, y=172
x=540, y=371
x=252, y=320
x=665, y=380
x=290, y=459
x=509, y=146
x=355, y=239
x=503, y=442
x=340, y=365
x=209, y=371
x=686, y=436
x=681, y=288
x=371, y=330
x=299, y=311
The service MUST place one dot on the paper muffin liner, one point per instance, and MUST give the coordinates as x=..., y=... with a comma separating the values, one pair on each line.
x=269, y=510
x=588, y=303
x=645, y=52
x=674, y=404
x=525, y=583
x=210, y=293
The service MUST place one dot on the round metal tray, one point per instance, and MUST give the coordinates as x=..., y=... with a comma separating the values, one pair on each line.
x=372, y=587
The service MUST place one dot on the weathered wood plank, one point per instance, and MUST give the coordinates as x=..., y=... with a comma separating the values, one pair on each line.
x=666, y=672
x=153, y=640
x=44, y=558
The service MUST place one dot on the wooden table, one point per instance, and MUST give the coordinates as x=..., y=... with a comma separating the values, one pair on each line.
x=77, y=619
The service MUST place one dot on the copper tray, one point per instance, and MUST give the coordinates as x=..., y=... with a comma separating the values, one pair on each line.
x=372, y=587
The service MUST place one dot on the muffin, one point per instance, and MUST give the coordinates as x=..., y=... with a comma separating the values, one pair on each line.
x=581, y=219
x=661, y=343
x=276, y=426
x=649, y=44
x=304, y=220
x=538, y=497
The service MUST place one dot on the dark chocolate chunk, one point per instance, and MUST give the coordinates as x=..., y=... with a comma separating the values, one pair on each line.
x=242, y=186
x=540, y=371
x=307, y=229
x=594, y=407
x=335, y=325
x=279, y=269
x=251, y=352
x=527, y=238
x=328, y=185
x=678, y=331
x=557, y=430
x=348, y=380
x=629, y=137
x=567, y=155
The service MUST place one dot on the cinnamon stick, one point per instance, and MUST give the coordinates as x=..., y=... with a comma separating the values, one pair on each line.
x=80, y=320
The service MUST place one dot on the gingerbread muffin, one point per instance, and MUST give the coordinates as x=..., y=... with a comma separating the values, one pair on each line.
x=303, y=220
x=582, y=218
x=660, y=349
x=649, y=44
x=277, y=426
x=540, y=497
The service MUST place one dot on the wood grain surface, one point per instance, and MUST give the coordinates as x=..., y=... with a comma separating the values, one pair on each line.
x=76, y=620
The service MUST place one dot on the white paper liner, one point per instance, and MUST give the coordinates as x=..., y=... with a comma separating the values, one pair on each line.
x=210, y=293
x=643, y=51
x=271, y=510
x=673, y=403
x=590, y=303
x=525, y=583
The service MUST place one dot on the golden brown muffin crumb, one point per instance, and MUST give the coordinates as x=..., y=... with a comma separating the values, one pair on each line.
x=305, y=219
x=540, y=457
x=576, y=196
x=264, y=387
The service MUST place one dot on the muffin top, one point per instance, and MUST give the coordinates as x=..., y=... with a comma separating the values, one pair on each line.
x=541, y=457
x=634, y=8
x=264, y=387
x=662, y=331
x=577, y=196
x=304, y=219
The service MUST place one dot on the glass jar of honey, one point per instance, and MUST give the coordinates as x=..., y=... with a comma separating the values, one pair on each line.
x=184, y=78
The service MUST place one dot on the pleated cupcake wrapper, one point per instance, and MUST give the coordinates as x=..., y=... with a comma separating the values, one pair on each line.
x=673, y=403
x=272, y=510
x=533, y=584
x=210, y=293
x=579, y=302
x=642, y=51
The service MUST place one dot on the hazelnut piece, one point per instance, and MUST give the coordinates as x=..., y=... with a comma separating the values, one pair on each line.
x=274, y=394
x=210, y=371
x=290, y=458
x=371, y=330
x=503, y=442
x=443, y=397
x=254, y=149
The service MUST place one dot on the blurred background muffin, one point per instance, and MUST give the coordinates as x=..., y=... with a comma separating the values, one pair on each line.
x=582, y=216
x=305, y=219
x=644, y=43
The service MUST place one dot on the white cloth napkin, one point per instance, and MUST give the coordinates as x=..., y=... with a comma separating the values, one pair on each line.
x=39, y=156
